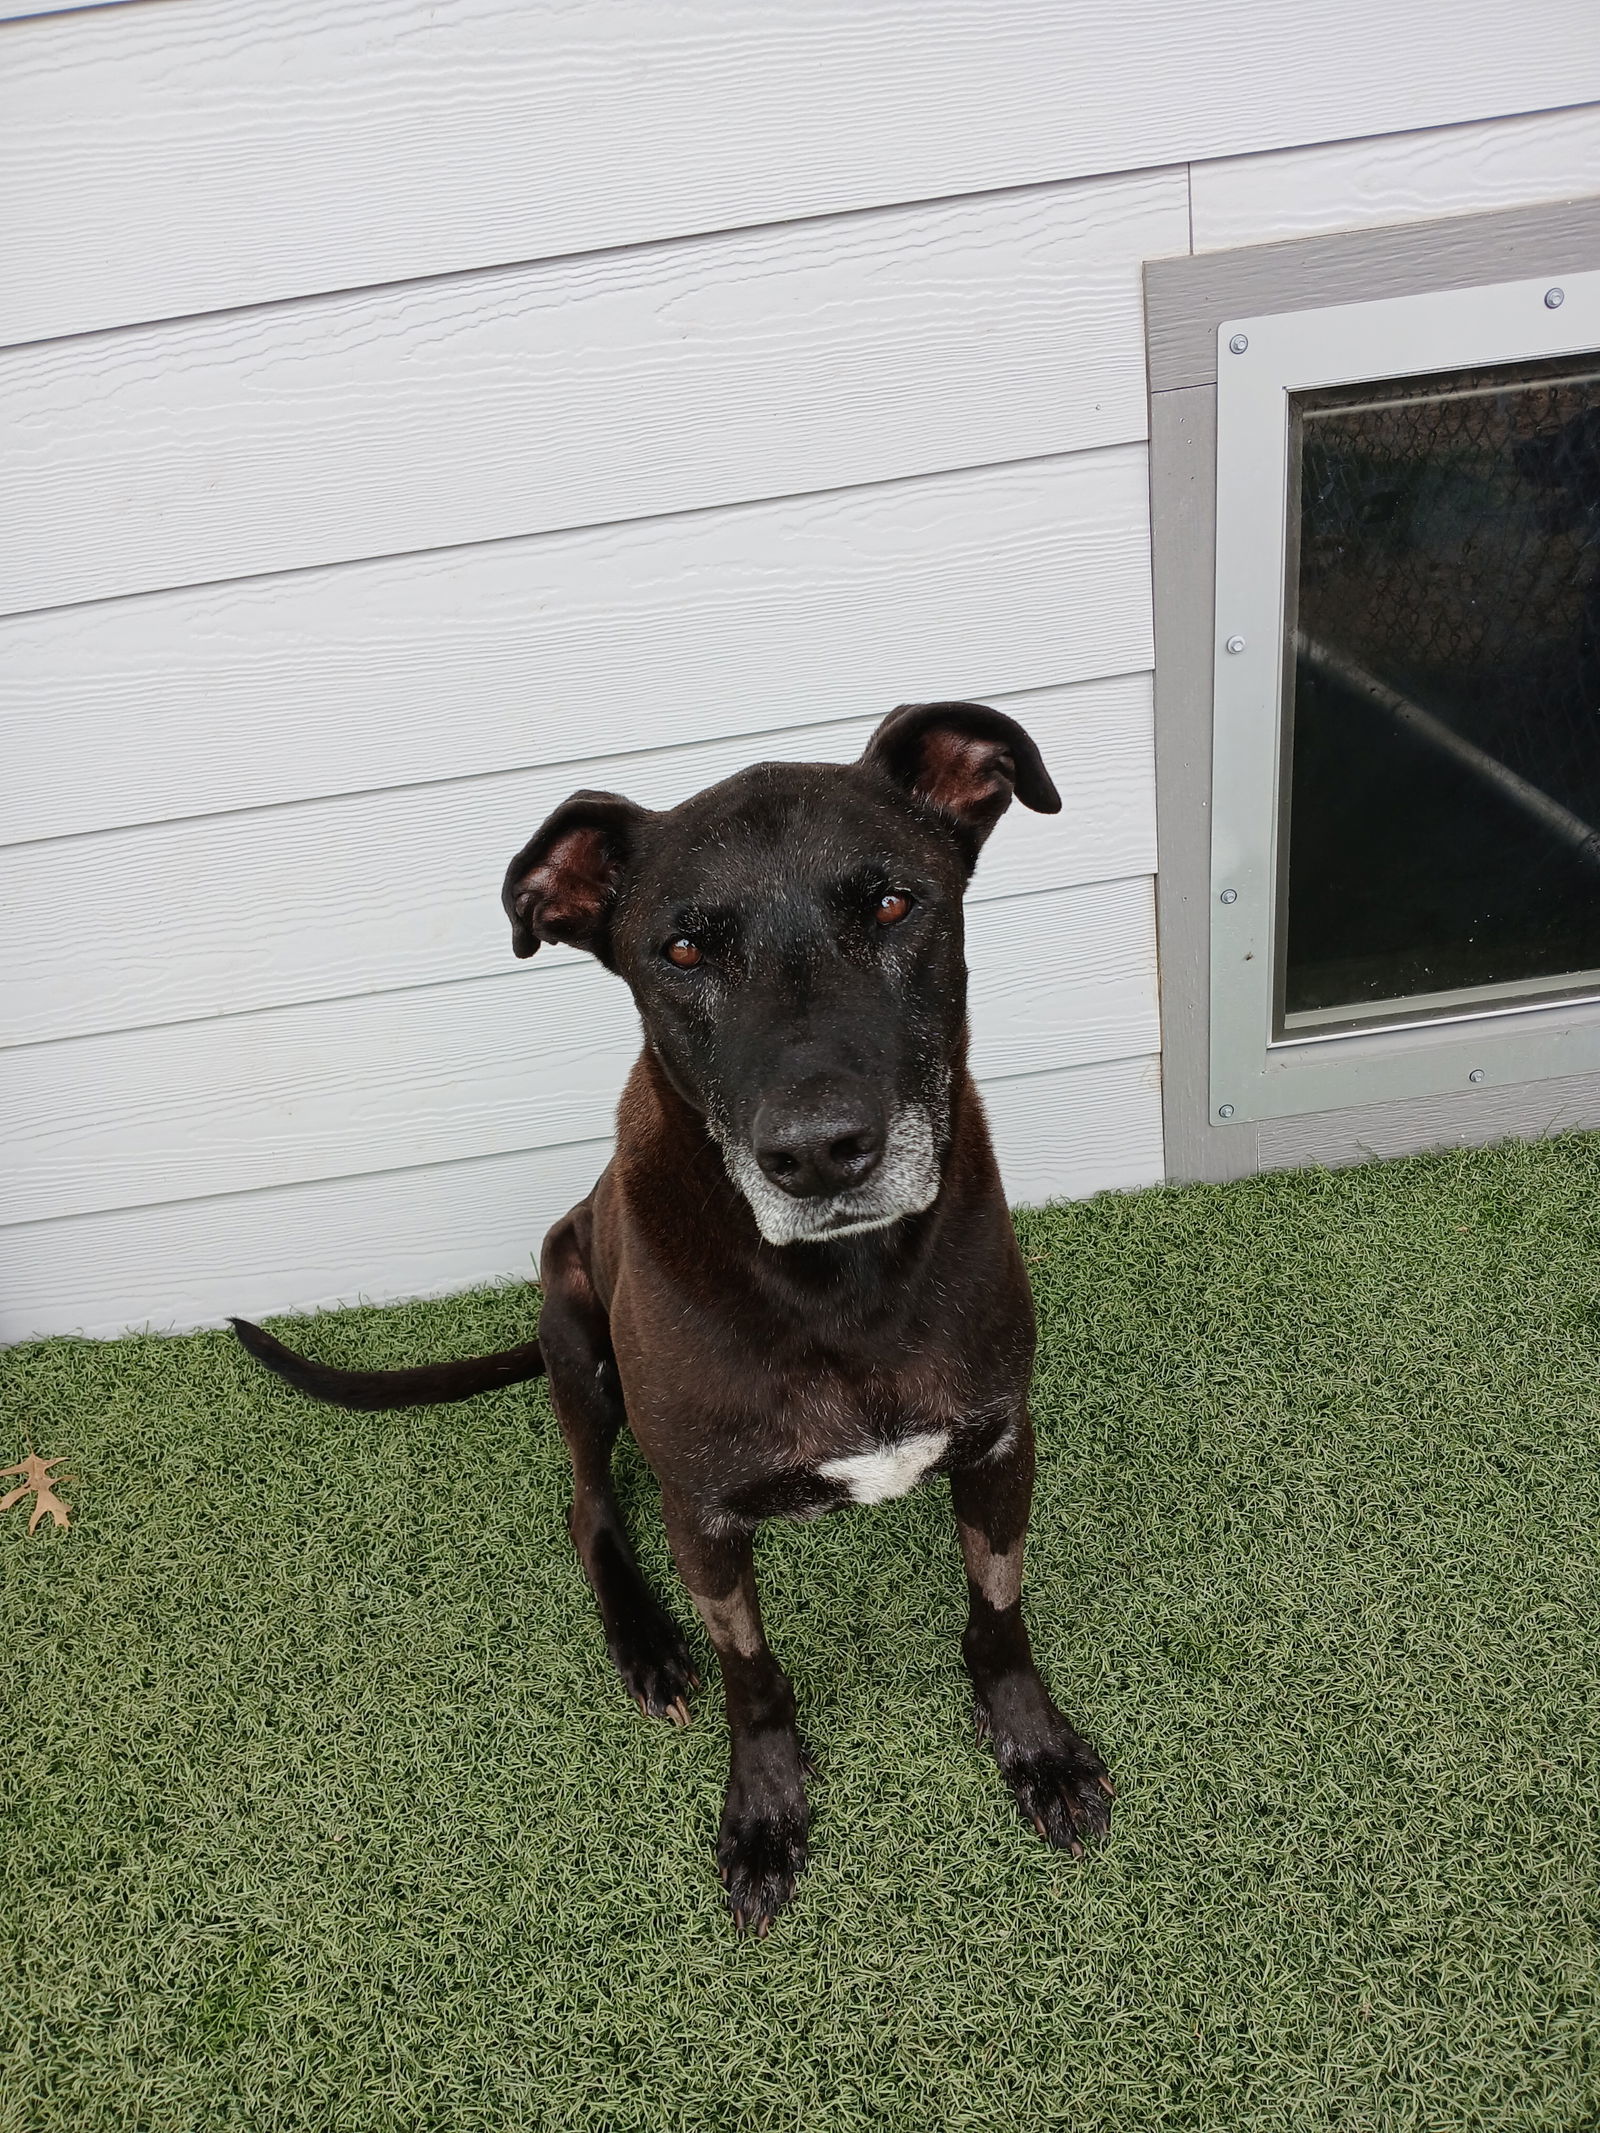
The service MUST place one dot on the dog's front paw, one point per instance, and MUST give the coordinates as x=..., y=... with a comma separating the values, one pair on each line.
x=654, y=1663
x=1059, y=1783
x=761, y=1853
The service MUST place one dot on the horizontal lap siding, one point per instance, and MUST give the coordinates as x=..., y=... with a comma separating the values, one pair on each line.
x=404, y=1232
x=339, y=598
x=581, y=392
x=1452, y=170
x=574, y=645
x=1066, y=977
x=179, y=158
x=381, y=890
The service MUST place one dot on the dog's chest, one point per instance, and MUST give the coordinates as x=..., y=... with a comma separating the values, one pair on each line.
x=824, y=1451
x=885, y=1470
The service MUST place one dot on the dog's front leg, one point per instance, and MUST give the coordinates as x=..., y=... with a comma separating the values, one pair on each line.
x=761, y=1847
x=644, y=1642
x=1058, y=1780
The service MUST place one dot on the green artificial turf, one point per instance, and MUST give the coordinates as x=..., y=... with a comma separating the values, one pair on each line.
x=321, y=1808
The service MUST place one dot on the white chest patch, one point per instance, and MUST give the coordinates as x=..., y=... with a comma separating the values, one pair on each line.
x=889, y=1470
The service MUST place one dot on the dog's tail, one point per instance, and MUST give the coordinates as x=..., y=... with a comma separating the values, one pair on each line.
x=428, y=1385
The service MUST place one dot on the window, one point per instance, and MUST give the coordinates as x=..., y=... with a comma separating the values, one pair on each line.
x=1441, y=748
x=1386, y=803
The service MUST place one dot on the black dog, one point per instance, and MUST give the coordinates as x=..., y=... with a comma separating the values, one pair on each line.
x=796, y=1282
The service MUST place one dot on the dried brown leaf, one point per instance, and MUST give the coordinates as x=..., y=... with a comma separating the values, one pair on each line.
x=39, y=1482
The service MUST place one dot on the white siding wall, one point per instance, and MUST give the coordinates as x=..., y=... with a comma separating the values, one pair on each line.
x=413, y=412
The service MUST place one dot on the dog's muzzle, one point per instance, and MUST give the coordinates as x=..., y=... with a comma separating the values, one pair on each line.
x=898, y=1175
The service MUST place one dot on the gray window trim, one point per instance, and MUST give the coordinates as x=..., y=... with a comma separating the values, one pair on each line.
x=1187, y=302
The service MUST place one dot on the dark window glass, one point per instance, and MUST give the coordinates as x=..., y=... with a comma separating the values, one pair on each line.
x=1442, y=808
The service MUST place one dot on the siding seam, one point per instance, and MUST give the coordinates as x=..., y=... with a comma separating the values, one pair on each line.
x=599, y=525
x=487, y=1155
x=641, y=248
x=546, y=971
x=821, y=728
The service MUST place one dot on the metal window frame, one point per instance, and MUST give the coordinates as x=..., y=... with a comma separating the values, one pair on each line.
x=1427, y=297
x=1261, y=361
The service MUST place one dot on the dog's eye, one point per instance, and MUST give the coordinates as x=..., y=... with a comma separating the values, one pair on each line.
x=683, y=952
x=892, y=907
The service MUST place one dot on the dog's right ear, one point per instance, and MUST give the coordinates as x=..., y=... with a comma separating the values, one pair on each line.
x=563, y=883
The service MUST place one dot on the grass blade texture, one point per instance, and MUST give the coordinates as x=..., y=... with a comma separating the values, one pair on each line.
x=320, y=1808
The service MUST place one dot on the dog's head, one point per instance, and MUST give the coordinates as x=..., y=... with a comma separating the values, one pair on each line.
x=793, y=939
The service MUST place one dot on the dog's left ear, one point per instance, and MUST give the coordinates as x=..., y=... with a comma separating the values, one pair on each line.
x=966, y=760
x=563, y=883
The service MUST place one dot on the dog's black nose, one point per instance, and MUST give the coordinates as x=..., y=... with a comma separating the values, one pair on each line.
x=822, y=1138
